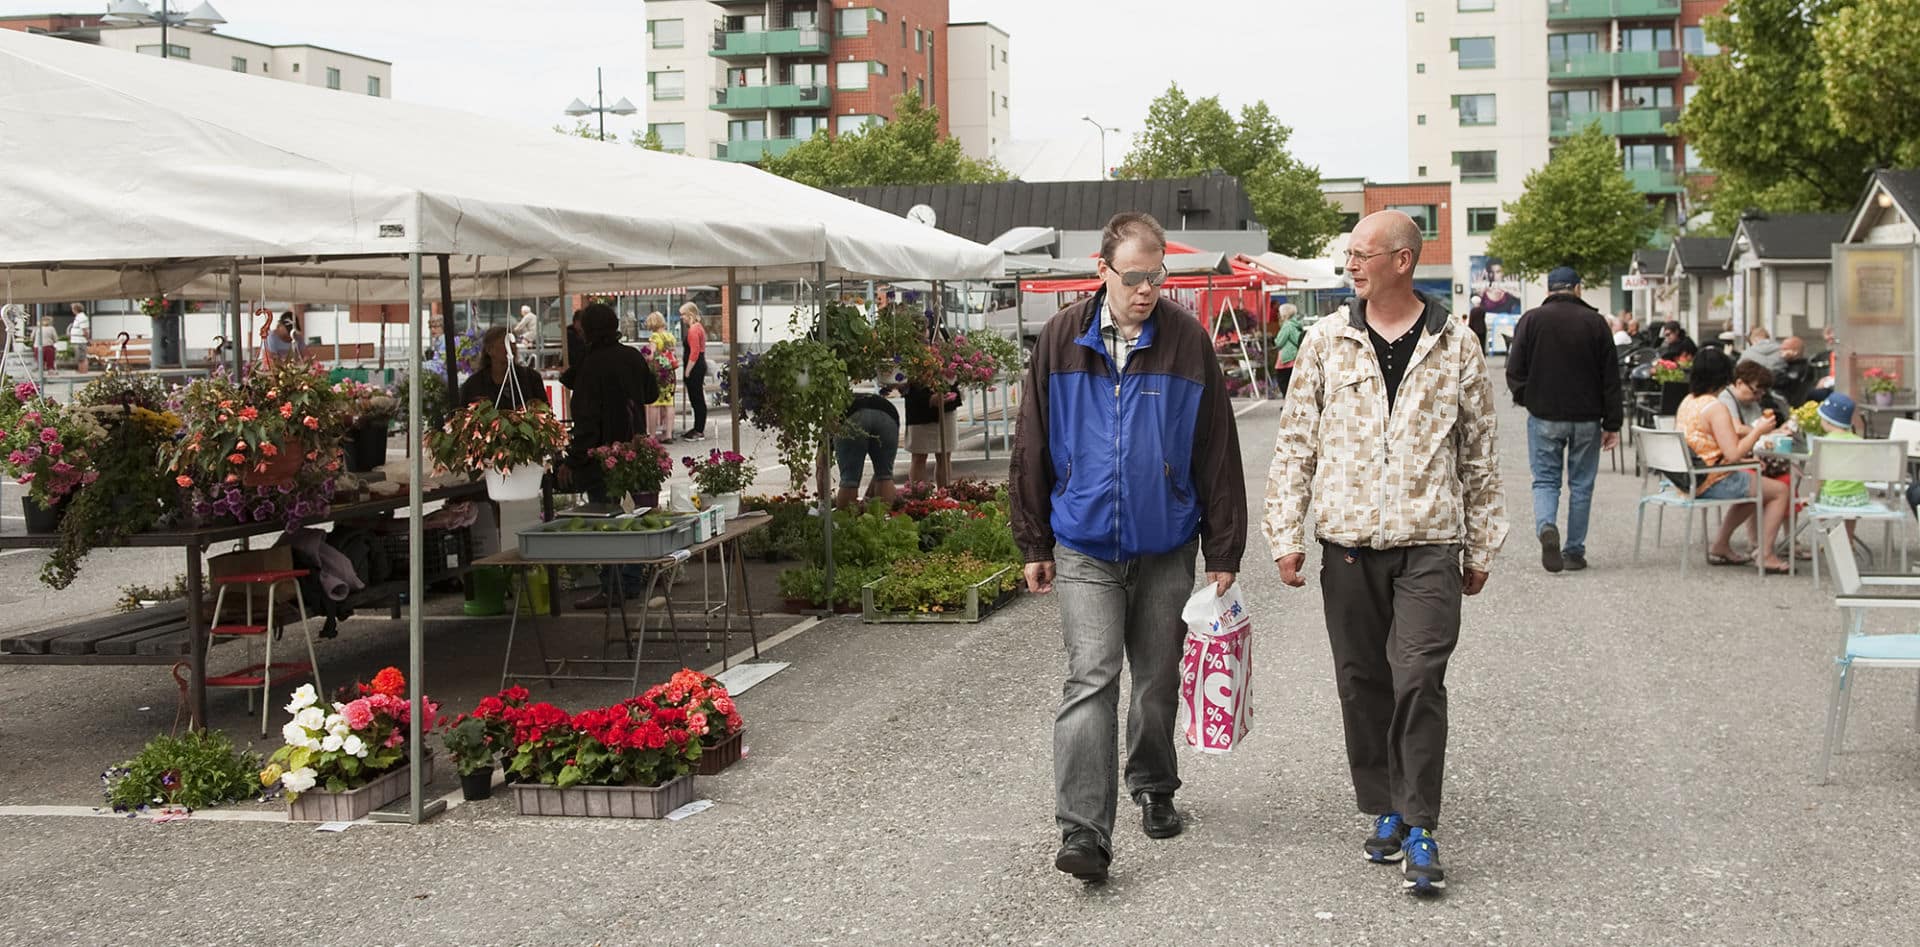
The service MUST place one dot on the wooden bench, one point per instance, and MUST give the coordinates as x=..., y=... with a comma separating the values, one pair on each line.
x=139, y=352
x=156, y=635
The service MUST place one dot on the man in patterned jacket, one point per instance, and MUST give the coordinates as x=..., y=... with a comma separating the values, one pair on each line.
x=1388, y=434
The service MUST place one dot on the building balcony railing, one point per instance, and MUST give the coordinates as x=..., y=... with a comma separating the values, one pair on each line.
x=1624, y=65
x=753, y=150
x=1657, y=180
x=1568, y=11
x=1639, y=122
x=762, y=97
x=806, y=40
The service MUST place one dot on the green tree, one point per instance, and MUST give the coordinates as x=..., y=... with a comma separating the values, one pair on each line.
x=1182, y=138
x=1579, y=210
x=585, y=129
x=1762, y=118
x=907, y=150
x=1870, y=69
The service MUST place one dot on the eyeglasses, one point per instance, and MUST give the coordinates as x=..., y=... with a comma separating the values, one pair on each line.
x=1354, y=256
x=1132, y=278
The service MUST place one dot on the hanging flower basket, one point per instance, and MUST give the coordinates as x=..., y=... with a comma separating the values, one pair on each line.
x=283, y=467
x=520, y=483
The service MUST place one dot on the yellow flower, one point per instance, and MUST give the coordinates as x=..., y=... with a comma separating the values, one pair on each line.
x=270, y=775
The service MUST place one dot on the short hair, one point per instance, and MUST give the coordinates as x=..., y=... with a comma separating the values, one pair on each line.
x=1288, y=311
x=600, y=324
x=78, y=308
x=1131, y=225
x=1758, y=334
x=656, y=322
x=1674, y=327
x=1712, y=371
x=1757, y=376
x=1794, y=341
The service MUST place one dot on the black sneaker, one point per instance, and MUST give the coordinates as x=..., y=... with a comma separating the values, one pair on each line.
x=1423, y=872
x=1550, y=549
x=1385, y=845
x=1575, y=561
x=1083, y=857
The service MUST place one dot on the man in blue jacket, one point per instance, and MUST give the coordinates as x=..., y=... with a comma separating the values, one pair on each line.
x=1125, y=463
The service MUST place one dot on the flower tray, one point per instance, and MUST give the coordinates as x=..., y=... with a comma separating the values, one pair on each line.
x=611, y=802
x=974, y=609
x=319, y=805
x=552, y=541
x=721, y=755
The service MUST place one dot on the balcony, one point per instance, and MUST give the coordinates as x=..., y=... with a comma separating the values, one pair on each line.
x=1657, y=180
x=757, y=98
x=1572, y=11
x=808, y=40
x=1596, y=66
x=753, y=150
x=1630, y=122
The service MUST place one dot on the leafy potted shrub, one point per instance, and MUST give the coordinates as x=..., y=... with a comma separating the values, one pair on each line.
x=719, y=479
x=131, y=492
x=498, y=713
x=1881, y=385
x=866, y=542
x=342, y=762
x=631, y=760
x=197, y=769
x=512, y=446
x=370, y=411
x=260, y=448
x=48, y=449
x=1672, y=376
x=709, y=706
x=806, y=393
x=471, y=748
x=635, y=468
x=945, y=587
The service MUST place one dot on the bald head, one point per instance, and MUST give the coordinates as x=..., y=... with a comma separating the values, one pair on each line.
x=1375, y=261
x=1792, y=348
x=1391, y=230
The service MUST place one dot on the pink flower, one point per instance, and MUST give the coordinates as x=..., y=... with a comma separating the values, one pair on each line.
x=359, y=714
x=395, y=739
x=56, y=448
x=49, y=436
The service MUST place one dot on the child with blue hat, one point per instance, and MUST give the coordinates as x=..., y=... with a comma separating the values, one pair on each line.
x=1836, y=418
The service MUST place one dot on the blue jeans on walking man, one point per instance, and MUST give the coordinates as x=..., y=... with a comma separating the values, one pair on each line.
x=1572, y=449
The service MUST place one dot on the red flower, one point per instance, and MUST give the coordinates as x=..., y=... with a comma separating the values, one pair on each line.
x=184, y=481
x=286, y=410
x=390, y=682
x=248, y=413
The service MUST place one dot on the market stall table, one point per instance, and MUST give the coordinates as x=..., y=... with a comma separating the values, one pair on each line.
x=107, y=640
x=657, y=567
x=1873, y=411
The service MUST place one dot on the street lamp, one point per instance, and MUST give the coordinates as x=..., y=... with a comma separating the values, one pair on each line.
x=622, y=107
x=133, y=12
x=1104, y=170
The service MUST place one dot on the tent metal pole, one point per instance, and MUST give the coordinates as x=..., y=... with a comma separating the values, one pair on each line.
x=732, y=317
x=416, y=565
x=238, y=336
x=565, y=317
x=820, y=481
x=446, y=332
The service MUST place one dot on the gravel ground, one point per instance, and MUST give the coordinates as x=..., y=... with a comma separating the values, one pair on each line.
x=1631, y=764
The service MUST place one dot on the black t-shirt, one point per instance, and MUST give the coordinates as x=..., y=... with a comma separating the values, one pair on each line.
x=480, y=387
x=1394, y=356
x=919, y=407
x=873, y=402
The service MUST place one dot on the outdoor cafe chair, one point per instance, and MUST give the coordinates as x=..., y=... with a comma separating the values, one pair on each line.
x=1855, y=596
x=1663, y=452
x=1882, y=465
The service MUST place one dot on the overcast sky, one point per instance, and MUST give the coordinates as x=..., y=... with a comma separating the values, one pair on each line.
x=1335, y=72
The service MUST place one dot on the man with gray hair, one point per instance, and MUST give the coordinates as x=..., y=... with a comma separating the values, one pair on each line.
x=1764, y=350
x=1388, y=435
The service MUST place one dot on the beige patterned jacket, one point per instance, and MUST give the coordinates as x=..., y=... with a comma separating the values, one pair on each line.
x=1426, y=474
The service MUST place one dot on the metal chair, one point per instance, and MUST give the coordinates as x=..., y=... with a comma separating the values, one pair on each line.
x=1855, y=595
x=1881, y=464
x=1664, y=452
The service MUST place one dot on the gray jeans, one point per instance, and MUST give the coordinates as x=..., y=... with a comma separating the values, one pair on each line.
x=1110, y=611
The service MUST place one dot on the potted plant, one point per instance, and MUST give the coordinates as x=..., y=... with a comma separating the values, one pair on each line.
x=719, y=479
x=510, y=445
x=498, y=713
x=1672, y=374
x=131, y=491
x=370, y=410
x=471, y=748
x=1881, y=385
x=197, y=769
x=278, y=424
x=635, y=468
x=631, y=760
x=707, y=704
x=342, y=762
x=47, y=448
x=943, y=587
x=805, y=391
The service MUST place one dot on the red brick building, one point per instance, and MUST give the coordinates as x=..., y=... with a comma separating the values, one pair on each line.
x=906, y=44
x=1429, y=203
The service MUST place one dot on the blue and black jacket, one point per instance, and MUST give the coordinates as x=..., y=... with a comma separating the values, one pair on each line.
x=1116, y=471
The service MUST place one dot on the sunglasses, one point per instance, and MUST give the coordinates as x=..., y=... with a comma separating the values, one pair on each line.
x=1133, y=278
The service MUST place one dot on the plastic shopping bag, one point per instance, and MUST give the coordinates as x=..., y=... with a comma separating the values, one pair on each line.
x=1216, y=671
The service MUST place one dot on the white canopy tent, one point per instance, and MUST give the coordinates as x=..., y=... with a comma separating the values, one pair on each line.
x=130, y=176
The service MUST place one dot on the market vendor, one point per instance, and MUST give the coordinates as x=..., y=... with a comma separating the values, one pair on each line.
x=872, y=431
x=612, y=385
x=490, y=377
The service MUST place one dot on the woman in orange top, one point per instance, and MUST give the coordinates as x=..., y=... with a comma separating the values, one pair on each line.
x=1710, y=432
x=695, y=360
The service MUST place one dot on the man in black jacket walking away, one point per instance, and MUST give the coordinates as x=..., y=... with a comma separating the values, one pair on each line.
x=1563, y=368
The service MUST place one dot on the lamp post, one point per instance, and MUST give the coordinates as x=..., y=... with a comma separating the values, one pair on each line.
x=601, y=108
x=1104, y=170
x=132, y=12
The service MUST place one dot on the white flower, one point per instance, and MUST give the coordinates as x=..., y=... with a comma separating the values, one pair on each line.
x=354, y=746
x=302, y=699
x=331, y=743
x=311, y=718
x=294, y=734
x=299, y=780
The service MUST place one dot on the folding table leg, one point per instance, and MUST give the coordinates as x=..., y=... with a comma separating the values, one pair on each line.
x=746, y=600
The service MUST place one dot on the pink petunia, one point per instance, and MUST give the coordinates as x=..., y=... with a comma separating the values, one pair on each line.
x=359, y=714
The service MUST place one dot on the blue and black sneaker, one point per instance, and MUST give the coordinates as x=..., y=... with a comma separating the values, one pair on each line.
x=1423, y=872
x=1383, y=847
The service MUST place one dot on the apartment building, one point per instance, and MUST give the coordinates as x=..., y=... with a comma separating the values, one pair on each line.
x=1493, y=85
x=979, y=81
x=747, y=80
x=295, y=62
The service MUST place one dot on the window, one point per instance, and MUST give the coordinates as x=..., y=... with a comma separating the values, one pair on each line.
x=333, y=78
x=903, y=33
x=296, y=67
x=1646, y=97
x=919, y=40
x=1475, y=52
x=1647, y=157
x=852, y=21
x=1003, y=55
x=1564, y=46
x=1482, y=219
x=373, y=86
x=748, y=76
x=993, y=105
x=1003, y=103
x=667, y=86
x=808, y=74
x=747, y=129
x=239, y=64
x=804, y=127
x=174, y=51
x=667, y=34
x=803, y=19
x=673, y=137
x=1419, y=18
x=1694, y=40
x=1646, y=39
x=879, y=16
x=1420, y=68
x=1475, y=109
x=1690, y=162
x=1420, y=119
x=851, y=75
x=993, y=61
x=1474, y=6
x=1426, y=215
x=749, y=23
x=1560, y=105
x=879, y=68
x=920, y=86
x=1687, y=97
x=1420, y=173
x=845, y=124
x=1477, y=165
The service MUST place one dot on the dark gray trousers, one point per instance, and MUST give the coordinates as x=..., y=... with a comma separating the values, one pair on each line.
x=1393, y=618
